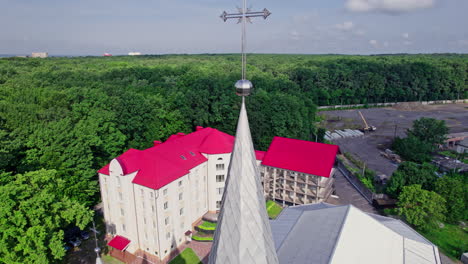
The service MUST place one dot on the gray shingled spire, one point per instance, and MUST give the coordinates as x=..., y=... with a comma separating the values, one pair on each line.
x=243, y=234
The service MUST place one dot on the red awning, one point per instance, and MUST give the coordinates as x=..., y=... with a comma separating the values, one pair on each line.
x=119, y=242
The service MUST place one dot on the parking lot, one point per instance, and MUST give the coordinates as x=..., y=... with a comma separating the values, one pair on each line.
x=390, y=122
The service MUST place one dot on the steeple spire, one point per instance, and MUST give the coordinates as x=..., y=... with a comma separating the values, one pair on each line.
x=243, y=234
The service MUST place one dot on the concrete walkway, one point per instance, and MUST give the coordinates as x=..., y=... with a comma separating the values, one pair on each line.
x=349, y=195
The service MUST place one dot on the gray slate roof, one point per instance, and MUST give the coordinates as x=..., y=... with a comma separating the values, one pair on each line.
x=311, y=233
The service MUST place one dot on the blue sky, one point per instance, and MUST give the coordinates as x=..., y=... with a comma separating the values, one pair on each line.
x=93, y=27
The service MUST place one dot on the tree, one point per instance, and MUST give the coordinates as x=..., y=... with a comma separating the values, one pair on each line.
x=429, y=130
x=413, y=149
x=33, y=213
x=409, y=173
x=455, y=191
x=421, y=208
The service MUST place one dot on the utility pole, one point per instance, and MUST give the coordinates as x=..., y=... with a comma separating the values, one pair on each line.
x=96, y=249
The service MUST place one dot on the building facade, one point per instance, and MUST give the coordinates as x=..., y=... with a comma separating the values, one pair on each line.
x=298, y=172
x=153, y=197
x=39, y=55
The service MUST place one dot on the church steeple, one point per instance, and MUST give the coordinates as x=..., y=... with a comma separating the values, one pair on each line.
x=243, y=234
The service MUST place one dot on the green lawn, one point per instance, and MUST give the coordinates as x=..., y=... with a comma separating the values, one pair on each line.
x=202, y=238
x=207, y=225
x=186, y=257
x=452, y=240
x=273, y=209
x=107, y=259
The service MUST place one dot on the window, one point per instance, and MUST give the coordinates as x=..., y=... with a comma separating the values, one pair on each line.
x=118, y=181
x=181, y=211
x=152, y=208
x=220, y=178
x=151, y=194
x=166, y=220
x=220, y=158
x=191, y=153
x=220, y=166
x=166, y=205
x=183, y=157
x=218, y=204
x=168, y=235
x=220, y=190
x=165, y=191
x=181, y=195
x=144, y=220
x=154, y=224
x=121, y=211
x=123, y=227
x=142, y=192
x=180, y=183
x=120, y=196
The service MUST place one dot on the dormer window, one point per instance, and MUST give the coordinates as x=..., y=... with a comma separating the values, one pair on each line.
x=191, y=153
x=183, y=157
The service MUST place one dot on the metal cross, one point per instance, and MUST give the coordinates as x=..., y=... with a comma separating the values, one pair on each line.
x=244, y=16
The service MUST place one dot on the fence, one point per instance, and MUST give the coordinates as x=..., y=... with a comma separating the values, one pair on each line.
x=391, y=104
x=358, y=185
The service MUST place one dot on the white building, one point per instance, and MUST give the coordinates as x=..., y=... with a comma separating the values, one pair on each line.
x=153, y=197
x=39, y=55
x=298, y=172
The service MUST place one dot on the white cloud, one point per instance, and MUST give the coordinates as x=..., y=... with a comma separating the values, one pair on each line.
x=405, y=35
x=345, y=26
x=391, y=6
x=374, y=43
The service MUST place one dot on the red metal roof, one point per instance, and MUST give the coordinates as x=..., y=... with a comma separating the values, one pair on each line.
x=166, y=162
x=301, y=156
x=259, y=154
x=119, y=242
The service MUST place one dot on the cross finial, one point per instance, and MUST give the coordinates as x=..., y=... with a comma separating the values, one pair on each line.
x=243, y=86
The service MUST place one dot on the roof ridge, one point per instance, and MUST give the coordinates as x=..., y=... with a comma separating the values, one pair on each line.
x=340, y=232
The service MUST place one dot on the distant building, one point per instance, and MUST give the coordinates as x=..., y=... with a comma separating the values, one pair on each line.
x=107, y=54
x=134, y=53
x=462, y=146
x=39, y=55
x=323, y=233
x=298, y=172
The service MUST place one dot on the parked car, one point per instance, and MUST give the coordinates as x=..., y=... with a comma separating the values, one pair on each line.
x=84, y=235
x=75, y=242
x=66, y=247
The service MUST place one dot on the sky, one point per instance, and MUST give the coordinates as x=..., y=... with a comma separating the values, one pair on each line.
x=94, y=27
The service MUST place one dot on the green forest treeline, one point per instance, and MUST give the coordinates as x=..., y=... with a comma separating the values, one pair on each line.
x=64, y=118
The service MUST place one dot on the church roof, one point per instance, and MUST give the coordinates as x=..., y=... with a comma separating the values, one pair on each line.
x=166, y=162
x=301, y=156
x=323, y=233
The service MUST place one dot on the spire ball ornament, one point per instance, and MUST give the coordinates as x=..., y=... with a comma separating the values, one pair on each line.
x=243, y=87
